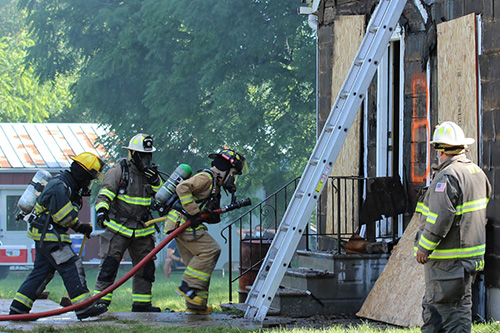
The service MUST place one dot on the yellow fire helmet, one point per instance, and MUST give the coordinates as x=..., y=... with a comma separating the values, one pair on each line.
x=90, y=162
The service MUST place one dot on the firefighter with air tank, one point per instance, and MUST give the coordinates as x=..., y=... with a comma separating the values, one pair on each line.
x=56, y=210
x=123, y=207
x=199, y=251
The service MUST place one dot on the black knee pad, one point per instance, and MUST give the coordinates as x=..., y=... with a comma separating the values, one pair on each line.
x=109, y=269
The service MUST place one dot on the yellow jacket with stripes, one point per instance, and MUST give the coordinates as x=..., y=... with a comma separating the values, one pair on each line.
x=126, y=210
x=193, y=194
x=453, y=220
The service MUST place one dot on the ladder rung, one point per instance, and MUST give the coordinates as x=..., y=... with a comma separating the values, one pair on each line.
x=314, y=162
x=329, y=128
x=374, y=29
x=359, y=62
x=299, y=194
x=344, y=95
x=284, y=227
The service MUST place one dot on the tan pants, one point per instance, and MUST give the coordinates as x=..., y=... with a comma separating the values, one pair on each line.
x=200, y=256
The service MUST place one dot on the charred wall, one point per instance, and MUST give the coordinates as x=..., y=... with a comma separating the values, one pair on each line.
x=420, y=50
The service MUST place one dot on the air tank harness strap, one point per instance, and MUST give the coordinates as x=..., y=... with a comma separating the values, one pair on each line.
x=204, y=202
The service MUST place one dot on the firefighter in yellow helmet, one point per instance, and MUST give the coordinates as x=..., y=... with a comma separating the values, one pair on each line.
x=55, y=211
x=452, y=236
x=123, y=207
x=199, y=251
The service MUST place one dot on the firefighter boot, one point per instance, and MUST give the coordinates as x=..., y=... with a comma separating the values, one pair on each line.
x=15, y=312
x=145, y=308
x=207, y=310
x=189, y=294
x=92, y=311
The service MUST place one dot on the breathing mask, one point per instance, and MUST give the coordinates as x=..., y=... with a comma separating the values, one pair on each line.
x=141, y=160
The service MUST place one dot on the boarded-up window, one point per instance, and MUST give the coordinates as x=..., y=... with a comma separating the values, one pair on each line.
x=457, y=76
x=348, y=35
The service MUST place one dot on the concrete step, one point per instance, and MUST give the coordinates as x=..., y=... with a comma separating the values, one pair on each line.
x=303, y=303
x=326, y=261
x=339, y=287
x=241, y=308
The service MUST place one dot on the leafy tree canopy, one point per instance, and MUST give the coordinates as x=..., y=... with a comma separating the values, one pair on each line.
x=197, y=75
x=22, y=98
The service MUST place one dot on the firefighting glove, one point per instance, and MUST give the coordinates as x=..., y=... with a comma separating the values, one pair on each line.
x=101, y=216
x=213, y=218
x=196, y=220
x=83, y=228
x=152, y=175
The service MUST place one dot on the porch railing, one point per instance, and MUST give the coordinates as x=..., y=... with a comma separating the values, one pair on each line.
x=255, y=229
x=345, y=196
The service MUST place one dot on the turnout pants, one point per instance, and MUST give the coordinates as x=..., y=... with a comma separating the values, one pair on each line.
x=113, y=246
x=447, y=303
x=200, y=255
x=49, y=258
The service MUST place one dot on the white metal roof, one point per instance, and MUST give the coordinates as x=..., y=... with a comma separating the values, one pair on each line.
x=47, y=145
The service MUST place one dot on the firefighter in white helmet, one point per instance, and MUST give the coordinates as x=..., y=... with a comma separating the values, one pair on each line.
x=452, y=235
x=56, y=210
x=199, y=251
x=123, y=207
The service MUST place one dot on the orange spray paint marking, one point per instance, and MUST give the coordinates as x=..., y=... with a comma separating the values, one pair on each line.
x=419, y=85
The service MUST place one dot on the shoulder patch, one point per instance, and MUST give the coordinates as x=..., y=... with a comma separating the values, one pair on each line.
x=440, y=187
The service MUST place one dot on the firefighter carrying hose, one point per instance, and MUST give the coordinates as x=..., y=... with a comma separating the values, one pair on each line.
x=55, y=211
x=123, y=206
x=452, y=236
x=199, y=251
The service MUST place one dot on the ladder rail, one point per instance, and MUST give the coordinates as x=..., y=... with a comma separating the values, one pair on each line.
x=327, y=148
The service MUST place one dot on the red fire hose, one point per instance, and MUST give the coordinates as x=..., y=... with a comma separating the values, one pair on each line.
x=172, y=235
x=36, y=315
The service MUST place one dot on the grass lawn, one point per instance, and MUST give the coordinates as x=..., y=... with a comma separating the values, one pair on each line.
x=164, y=296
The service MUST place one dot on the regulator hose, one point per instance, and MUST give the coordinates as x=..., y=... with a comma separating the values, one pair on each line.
x=36, y=315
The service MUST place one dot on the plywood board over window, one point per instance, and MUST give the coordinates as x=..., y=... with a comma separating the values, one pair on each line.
x=348, y=35
x=457, y=76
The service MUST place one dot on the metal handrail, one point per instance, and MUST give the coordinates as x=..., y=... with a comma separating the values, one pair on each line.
x=295, y=180
x=248, y=214
x=347, y=196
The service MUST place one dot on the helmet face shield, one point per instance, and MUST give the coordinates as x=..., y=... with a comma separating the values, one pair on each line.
x=230, y=180
x=244, y=168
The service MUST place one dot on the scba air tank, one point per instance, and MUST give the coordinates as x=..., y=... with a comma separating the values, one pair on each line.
x=182, y=172
x=35, y=187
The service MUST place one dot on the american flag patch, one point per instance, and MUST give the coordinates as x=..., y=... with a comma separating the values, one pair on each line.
x=440, y=187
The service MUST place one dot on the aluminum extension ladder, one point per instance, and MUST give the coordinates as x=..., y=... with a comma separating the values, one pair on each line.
x=330, y=141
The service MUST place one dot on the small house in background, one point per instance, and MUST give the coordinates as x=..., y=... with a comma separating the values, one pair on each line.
x=25, y=149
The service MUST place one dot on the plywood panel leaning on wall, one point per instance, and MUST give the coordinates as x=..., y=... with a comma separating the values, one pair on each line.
x=396, y=297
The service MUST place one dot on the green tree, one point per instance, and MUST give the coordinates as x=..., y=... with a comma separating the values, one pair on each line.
x=22, y=99
x=197, y=75
x=12, y=20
